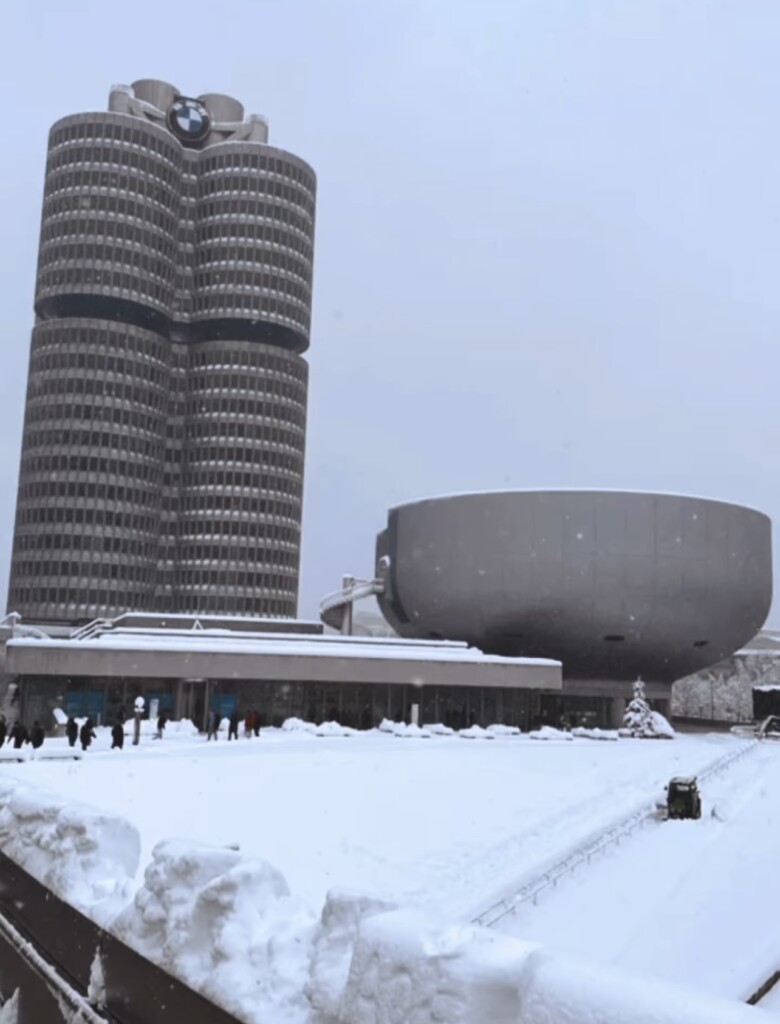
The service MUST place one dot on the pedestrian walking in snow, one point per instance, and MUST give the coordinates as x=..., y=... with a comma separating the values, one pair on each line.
x=37, y=735
x=118, y=735
x=256, y=713
x=72, y=731
x=249, y=724
x=19, y=735
x=234, y=720
x=86, y=734
x=161, y=724
x=213, y=724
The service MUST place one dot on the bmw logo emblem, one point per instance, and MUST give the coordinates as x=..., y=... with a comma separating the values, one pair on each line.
x=189, y=120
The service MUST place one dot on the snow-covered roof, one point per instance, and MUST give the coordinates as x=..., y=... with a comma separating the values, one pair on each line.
x=576, y=490
x=279, y=644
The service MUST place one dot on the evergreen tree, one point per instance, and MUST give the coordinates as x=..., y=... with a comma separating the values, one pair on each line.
x=638, y=719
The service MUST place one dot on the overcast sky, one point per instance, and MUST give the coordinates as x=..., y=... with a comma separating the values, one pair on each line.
x=548, y=242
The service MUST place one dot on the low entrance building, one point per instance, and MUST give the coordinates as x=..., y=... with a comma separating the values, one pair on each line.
x=278, y=668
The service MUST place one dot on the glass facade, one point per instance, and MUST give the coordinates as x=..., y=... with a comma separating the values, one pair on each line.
x=163, y=448
x=359, y=705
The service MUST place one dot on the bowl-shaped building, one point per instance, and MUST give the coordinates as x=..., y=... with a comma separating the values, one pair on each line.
x=614, y=584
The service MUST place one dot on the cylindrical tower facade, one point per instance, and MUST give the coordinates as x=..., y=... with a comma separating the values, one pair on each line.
x=162, y=460
x=242, y=480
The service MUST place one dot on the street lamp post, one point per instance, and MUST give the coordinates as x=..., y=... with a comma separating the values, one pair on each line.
x=138, y=710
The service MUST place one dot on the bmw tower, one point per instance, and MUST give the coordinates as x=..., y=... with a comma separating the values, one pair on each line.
x=163, y=448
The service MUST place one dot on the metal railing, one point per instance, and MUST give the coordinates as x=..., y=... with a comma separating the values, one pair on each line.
x=332, y=606
x=584, y=852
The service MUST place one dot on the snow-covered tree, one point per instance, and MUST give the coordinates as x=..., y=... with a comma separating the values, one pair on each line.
x=638, y=719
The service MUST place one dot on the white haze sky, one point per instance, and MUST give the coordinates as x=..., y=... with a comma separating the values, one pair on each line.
x=548, y=242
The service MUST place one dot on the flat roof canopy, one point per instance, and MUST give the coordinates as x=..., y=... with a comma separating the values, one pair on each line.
x=227, y=654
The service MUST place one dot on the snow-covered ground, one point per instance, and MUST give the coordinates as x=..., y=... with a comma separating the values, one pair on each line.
x=441, y=821
x=687, y=901
x=443, y=824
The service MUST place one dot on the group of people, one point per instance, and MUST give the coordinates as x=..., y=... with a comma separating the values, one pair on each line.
x=19, y=734
x=252, y=723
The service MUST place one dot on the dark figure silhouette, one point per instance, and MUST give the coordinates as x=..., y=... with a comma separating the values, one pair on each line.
x=37, y=734
x=19, y=735
x=72, y=731
x=234, y=720
x=256, y=725
x=86, y=734
x=118, y=735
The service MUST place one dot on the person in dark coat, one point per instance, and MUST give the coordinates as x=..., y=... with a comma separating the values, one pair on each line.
x=118, y=735
x=249, y=724
x=3, y=730
x=86, y=734
x=72, y=730
x=213, y=724
x=19, y=735
x=256, y=713
x=162, y=719
x=37, y=734
x=234, y=720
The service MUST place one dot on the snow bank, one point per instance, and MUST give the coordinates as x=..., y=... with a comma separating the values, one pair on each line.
x=504, y=730
x=407, y=967
x=10, y=753
x=85, y=856
x=547, y=732
x=182, y=729
x=334, y=729
x=439, y=729
x=227, y=926
x=562, y=991
x=411, y=731
x=595, y=734
x=9, y=1013
x=334, y=943
x=661, y=726
x=475, y=732
x=298, y=725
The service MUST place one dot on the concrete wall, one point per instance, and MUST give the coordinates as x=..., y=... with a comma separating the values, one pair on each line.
x=613, y=584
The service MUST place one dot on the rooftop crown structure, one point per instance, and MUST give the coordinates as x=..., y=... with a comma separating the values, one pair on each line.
x=162, y=459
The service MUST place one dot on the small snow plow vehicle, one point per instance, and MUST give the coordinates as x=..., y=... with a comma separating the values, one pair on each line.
x=683, y=799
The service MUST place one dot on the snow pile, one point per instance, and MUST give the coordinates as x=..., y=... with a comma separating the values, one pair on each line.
x=85, y=856
x=10, y=753
x=439, y=729
x=333, y=946
x=410, y=968
x=334, y=729
x=561, y=991
x=475, y=732
x=9, y=1013
x=504, y=730
x=406, y=968
x=298, y=725
x=182, y=729
x=387, y=725
x=661, y=726
x=595, y=734
x=227, y=926
x=548, y=732
x=96, y=990
x=411, y=731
